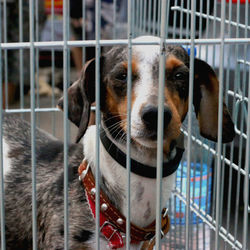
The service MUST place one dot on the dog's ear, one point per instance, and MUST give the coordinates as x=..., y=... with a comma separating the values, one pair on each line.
x=80, y=96
x=206, y=100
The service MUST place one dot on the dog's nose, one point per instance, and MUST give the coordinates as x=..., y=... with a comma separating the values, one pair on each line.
x=150, y=116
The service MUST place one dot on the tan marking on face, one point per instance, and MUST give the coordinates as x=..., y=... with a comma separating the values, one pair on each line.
x=173, y=129
x=111, y=101
x=119, y=108
x=122, y=109
x=172, y=62
x=178, y=107
x=180, y=104
x=134, y=66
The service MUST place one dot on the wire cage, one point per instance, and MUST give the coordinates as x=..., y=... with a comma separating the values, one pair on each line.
x=43, y=45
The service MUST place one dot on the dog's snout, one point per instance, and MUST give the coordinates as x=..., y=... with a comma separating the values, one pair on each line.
x=150, y=116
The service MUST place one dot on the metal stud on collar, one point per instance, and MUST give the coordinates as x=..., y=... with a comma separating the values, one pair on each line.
x=93, y=191
x=104, y=207
x=120, y=221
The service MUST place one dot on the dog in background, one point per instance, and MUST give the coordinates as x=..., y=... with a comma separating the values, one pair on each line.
x=49, y=150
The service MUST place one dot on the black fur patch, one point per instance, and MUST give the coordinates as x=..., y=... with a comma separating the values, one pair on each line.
x=48, y=152
x=83, y=236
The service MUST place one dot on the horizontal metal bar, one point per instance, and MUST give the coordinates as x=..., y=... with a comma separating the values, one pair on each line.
x=29, y=110
x=239, y=132
x=92, y=43
x=232, y=93
x=213, y=152
x=218, y=19
x=37, y=110
x=209, y=221
x=244, y=62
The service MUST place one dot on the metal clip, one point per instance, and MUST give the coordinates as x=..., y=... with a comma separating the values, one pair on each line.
x=153, y=238
x=165, y=213
x=83, y=174
x=162, y=233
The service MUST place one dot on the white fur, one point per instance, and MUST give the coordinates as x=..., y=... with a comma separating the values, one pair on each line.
x=6, y=159
x=143, y=91
x=115, y=175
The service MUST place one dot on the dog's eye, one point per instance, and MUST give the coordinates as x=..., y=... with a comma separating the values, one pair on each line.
x=121, y=77
x=180, y=76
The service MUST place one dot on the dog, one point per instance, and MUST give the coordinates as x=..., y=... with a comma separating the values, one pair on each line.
x=113, y=182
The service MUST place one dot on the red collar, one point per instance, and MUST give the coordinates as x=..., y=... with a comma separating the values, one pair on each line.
x=112, y=222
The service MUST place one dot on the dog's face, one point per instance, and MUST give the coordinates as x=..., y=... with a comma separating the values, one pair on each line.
x=144, y=96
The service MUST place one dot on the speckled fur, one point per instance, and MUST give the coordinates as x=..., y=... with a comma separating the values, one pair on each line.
x=49, y=173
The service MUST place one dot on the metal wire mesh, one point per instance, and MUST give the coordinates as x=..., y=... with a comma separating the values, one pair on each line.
x=209, y=207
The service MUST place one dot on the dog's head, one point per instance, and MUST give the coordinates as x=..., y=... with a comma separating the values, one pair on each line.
x=144, y=103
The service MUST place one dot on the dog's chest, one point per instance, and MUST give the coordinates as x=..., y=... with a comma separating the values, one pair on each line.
x=142, y=190
x=142, y=193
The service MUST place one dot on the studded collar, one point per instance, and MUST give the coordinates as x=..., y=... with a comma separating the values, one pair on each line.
x=112, y=222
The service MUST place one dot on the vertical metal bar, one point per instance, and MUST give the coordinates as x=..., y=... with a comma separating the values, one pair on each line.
x=231, y=161
x=149, y=21
x=84, y=30
x=98, y=115
x=190, y=101
x=167, y=19
x=247, y=167
x=181, y=229
x=214, y=29
x=140, y=13
x=129, y=87
x=21, y=54
x=133, y=20
x=200, y=26
x=219, y=145
x=241, y=128
x=154, y=18
x=247, y=163
x=37, y=62
x=114, y=18
x=3, y=242
x=65, y=121
x=159, y=18
x=37, y=53
x=5, y=38
x=207, y=27
x=238, y=172
x=229, y=196
x=160, y=126
x=144, y=16
x=174, y=23
x=187, y=20
x=181, y=20
x=53, y=66
x=137, y=18
x=33, y=122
